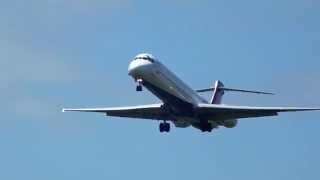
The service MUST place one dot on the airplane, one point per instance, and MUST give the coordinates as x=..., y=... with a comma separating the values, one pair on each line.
x=181, y=105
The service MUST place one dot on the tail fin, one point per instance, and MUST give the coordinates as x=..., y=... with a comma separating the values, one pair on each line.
x=219, y=89
x=218, y=93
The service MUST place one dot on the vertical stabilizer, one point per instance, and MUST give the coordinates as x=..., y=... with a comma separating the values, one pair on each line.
x=217, y=93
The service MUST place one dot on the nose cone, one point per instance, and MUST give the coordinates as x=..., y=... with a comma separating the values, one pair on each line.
x=133, y=66
x=139, y=68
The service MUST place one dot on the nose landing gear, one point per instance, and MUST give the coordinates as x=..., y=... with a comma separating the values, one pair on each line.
x=139, y=86
x=164, y=127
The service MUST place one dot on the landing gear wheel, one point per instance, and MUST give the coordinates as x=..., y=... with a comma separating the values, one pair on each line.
x=161, y=127
x=139, y=88
x=167, y=125
x=164, y=127
x=206, y=127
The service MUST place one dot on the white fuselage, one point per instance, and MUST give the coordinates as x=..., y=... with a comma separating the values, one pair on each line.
x=162, y=82
x=181, y=104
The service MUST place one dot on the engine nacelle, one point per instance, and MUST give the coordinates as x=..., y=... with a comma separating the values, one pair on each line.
x=231, y=123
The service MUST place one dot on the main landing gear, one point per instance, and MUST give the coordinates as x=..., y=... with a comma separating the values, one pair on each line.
x=139, y=86
x=205, y=127
x=164, y=127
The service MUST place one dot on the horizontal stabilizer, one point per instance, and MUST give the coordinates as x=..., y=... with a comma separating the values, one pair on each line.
x=234, y=90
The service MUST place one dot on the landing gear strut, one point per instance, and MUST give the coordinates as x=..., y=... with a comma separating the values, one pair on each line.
x=139, y=86
x=164, y=127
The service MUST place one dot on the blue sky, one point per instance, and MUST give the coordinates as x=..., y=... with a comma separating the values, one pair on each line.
x=56, y=54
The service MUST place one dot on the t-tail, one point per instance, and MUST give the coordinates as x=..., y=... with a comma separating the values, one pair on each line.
x=218, y=93
x=219, y=90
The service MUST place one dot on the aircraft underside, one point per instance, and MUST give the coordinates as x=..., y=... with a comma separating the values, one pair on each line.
x=182, y=105
x=183, y=113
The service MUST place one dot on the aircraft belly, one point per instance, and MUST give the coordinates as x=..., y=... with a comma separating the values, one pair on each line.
x=175, y=104
x=181, y=124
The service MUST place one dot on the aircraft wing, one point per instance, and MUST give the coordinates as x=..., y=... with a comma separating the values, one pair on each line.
x=152, y=111
x=214, y=111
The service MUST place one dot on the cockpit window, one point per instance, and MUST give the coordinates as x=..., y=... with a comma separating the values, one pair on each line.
x=145, y=58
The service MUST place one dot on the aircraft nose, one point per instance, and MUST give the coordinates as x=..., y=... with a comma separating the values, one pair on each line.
x=133, y=66
x=138, y=68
